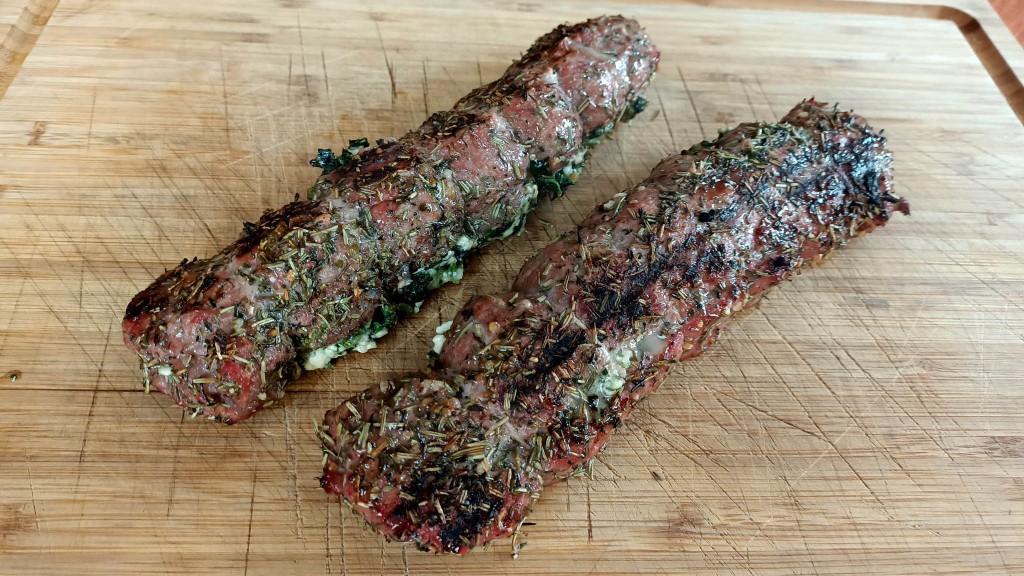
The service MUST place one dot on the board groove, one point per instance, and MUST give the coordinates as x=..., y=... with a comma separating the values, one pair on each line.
x=21, y=38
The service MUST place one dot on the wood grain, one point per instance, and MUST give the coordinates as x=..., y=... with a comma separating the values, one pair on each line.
x=865, y=420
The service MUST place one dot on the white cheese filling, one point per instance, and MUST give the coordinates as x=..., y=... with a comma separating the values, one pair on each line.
x=575, y=164
x=611, y=380
x=449, y=269
x=528, y=202
x=465, y=243
x=321, y=357
x=440, y=338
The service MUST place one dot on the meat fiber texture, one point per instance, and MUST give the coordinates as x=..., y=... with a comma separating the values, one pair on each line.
x=529, y=384
x=384, y=226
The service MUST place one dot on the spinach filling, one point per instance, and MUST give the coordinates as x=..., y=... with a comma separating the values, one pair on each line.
x=327, y=162
x=411, y=292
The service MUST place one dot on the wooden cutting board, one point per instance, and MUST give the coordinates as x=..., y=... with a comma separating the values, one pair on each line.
x=867, y=419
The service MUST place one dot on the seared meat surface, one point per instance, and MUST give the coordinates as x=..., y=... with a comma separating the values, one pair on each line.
x=529, y=384
x=381, y=228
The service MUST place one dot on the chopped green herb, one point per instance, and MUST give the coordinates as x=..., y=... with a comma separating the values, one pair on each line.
x=328, y=162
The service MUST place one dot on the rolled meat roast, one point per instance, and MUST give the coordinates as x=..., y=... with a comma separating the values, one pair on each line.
x=529, y=384
x=384, y=226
